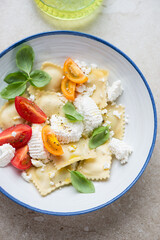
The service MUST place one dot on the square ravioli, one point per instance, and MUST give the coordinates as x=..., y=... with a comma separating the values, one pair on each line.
x=115, y=117
x=9, y=116
x=97, y=168
x=73, y=152
x=49, y=179
x=98, y=77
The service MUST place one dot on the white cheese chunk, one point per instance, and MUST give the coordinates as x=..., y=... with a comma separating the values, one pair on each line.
x=90, y=90
x=102, y=79
x=62, y=97
x=6, y=154
x=26, y=177
x=127, y=119
x=42, y=169
x=89, y=110
x=86, y=90
x=72, y=148
x=31, y=97
x=120, y=149
x=51, y=174
x=37, y=163
x=16, y=118
x=66, y=131
x=36, y=147
x=117, y=114
x=114, y=91
x=14, y=134
x=52, y=183
x=83, y=66
x=81, y=88
x=107, y=166
x=111, y=134
x=107, y=123
x=104, y=111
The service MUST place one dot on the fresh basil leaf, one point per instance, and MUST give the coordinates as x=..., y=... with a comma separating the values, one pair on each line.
x=81, y=183
x=25, y=58
x=70, y=117
x=99, y=130
x=13, y=90
x=15, y=77
x=39, y=78
x=71, y=113
x=99, y=136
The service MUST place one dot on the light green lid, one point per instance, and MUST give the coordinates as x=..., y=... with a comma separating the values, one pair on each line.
x=68, y=9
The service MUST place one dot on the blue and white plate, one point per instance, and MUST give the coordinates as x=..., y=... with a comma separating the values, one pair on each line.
x=140, y=132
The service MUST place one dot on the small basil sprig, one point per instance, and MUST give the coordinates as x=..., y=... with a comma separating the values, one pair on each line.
x=99, y=136
x=15, y=77
x=81, y=183
x=14, y=89
x=18, y=80
x=71, y=113
x=25, y=59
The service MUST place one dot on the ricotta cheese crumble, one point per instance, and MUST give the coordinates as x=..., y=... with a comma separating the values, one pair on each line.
x=26, y=177
x=81, y=88
x=120, y=149
x=107, y=166
x=90, y=90
x=87, y=107
x=6, y=154
x=104, y=111
x=83, y=66
x=72, y=148
x=36, y=147
x=31, y=97
x=37, y=163
x=66, y=131
x=117, y=114
x=86, y=90
x=51, y=175
x=52, y=183
x=127, y=119
x=14, y=134
x=114, y=91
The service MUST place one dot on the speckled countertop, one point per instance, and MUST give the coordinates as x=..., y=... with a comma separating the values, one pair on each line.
x=134, y=27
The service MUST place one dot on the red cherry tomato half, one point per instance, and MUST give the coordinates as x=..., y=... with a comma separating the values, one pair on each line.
x=29, y=110
x=17, y=136
x=22, y=160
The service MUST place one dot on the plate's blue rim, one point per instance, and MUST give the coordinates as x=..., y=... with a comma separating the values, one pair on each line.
x=154, y=111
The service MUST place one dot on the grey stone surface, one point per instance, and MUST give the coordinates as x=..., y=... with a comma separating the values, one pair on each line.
x=134, y=27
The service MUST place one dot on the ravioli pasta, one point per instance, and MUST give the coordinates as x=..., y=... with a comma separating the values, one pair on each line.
x=56, y=73
x=43, y=180
x=9, y=116
x=50, y=102
x=117, y=124
x=98, y=77
x=97, y=168
x=81, y=152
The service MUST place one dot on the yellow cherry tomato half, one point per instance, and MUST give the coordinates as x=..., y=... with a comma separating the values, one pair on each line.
x=68, y=88
x=50, y=141
x=73, y=72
